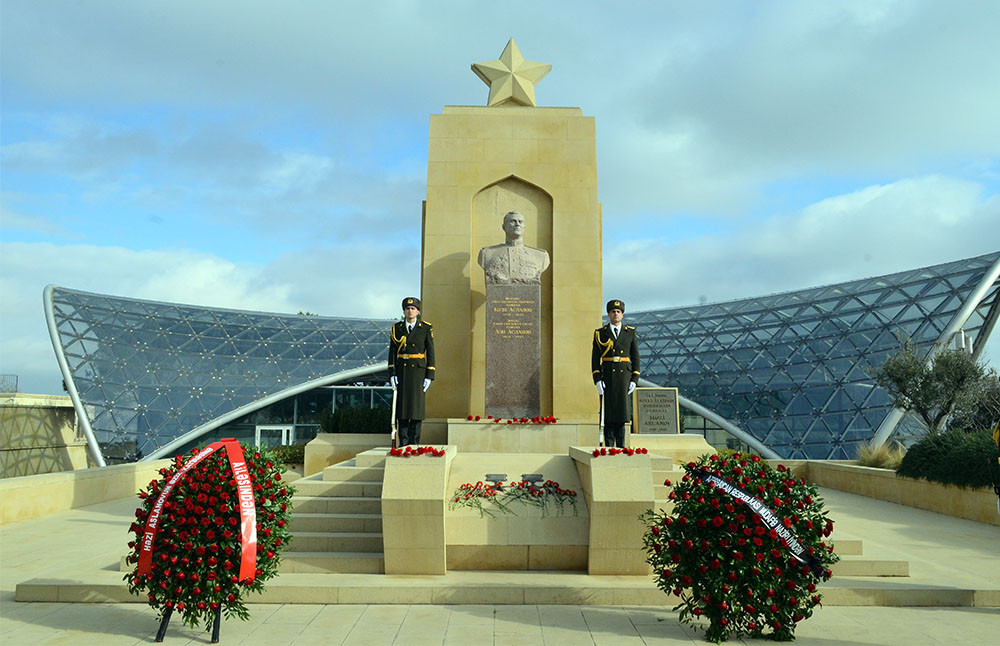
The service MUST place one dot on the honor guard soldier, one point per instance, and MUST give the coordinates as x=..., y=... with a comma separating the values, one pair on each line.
x=615, y=365
x=411, y=369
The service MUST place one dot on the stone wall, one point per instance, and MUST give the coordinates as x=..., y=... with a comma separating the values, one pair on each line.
x=38, y=434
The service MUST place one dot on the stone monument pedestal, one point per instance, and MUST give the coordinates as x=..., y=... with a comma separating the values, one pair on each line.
x=485, y=436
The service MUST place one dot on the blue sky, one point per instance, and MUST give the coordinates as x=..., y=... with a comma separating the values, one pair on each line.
x=270, y=156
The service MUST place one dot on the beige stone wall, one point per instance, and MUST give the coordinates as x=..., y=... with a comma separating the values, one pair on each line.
x=979, y=505
x=38, y=435
x=39, y=495
x=483, y=162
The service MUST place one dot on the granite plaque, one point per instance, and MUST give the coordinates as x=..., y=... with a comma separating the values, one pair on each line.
x=656, y=410
x=513, y=350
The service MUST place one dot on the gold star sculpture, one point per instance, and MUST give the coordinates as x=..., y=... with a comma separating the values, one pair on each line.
x=511, y=78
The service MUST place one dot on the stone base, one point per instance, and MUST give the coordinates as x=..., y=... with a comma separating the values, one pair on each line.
x=483, y=437
x=683, y=447
x=526, y=539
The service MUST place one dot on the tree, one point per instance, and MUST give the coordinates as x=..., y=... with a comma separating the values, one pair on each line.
x=951, y=383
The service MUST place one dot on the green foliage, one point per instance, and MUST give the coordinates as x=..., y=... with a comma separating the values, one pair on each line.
x=717, y=555
x=986, y=413
x=196, y=543
x=290, y=454
x=951, y=383
x=881, y=457
x=953, y=457
x=356, y=420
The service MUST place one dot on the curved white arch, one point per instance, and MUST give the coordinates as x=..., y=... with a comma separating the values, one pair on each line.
x=725, y=424
x=894, y=416
x=345, y=375
x=81, y=412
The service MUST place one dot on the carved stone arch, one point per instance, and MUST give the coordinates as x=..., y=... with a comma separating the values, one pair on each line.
x=489, y=205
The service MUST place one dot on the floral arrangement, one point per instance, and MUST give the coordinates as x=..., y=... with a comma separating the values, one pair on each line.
x=412, y=451
x=193, y=522
x=491, y=499
x=743, y=547
x=548, y=419
x=613, y=451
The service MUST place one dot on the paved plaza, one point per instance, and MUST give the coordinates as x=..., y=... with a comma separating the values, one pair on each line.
x=944, y=554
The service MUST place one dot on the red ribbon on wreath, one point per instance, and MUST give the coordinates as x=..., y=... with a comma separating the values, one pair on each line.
x=244, y=492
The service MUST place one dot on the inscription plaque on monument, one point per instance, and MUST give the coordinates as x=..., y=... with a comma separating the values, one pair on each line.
x=513, y=350
x=656, y=410
x=513, y=322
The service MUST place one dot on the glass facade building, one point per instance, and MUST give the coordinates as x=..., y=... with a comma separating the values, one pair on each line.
x=788, y=369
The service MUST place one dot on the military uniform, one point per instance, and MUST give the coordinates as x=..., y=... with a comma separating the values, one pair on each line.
x=411, y=360
x=616, y=363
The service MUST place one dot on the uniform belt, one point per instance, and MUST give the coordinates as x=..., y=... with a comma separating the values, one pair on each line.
x=411, y=356
x=615, y=359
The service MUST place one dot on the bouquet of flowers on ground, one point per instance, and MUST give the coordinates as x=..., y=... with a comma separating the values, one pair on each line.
x=209, y=531
x=744, y=547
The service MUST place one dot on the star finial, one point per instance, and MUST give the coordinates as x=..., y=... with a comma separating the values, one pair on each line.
x=511, y=78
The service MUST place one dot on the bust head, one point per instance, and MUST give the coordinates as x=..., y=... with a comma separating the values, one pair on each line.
x=513, y=225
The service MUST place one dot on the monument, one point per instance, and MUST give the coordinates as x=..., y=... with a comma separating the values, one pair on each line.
x=484, y=162
x=513, y=274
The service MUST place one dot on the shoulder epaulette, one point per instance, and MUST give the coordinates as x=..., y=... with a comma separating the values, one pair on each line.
x=427, y=323
x=629, y=327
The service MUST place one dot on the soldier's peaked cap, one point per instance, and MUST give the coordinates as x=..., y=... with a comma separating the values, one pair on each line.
x=411, y=301
x=616, y=305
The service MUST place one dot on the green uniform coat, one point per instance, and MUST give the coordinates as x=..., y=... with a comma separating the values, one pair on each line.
x=411, y=371
x=616, y=374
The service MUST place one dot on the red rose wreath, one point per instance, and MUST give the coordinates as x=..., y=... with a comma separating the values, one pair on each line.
x=210, y=530
x=743, y=547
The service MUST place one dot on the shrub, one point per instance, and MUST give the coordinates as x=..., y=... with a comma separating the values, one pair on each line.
x=953, y=457
x=290, y=454
x=881, y=457
x=725, y=553
x=356, y=420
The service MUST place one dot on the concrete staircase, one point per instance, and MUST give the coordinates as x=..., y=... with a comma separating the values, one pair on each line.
x=337, y=519
x=851, y=550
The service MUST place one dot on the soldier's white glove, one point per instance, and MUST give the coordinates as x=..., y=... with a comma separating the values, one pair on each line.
x=394, y=380
x=631, y=387
x=427, y=384
x=600, y=388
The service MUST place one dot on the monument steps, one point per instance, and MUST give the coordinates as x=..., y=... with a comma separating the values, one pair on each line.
x=349, y=472
x=337, y=521
x=363, y=519
x=336, y=542
x=331, y=563
x=314, y=485
x=302, y=580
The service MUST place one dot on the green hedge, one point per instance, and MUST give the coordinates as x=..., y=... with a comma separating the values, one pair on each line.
x=291, y=453
x=953, y=457
x=356, y=420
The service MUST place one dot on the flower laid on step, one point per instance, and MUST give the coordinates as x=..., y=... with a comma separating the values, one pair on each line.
x=412, y=451
x=613, y=451
x=210, y=530
x=493, y=498
x=538, y=419
x=744, y=547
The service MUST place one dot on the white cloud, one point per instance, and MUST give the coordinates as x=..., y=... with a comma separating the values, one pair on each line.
x=354, y=281
x=12, y=221
x=876, y=230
